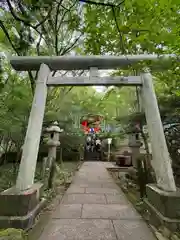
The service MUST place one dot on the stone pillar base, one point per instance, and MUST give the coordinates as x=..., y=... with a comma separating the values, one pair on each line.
x=163, y=207
x=19, y=209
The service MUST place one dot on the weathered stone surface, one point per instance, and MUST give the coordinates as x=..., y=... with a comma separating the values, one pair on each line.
x=174, y=237
x=165, y=231
x=79, y=229
x=132, y=230
x=22, y=222
x=111, y=185
x=55, y=203
x=109, y=211
x=86, y=185
x=84, y=198
x=157, y=219
x=91, y=215
x=167, y=203
x=15, y=203
x=159, y=236
x=108, y=164
x=75, y=189
x=117, y=199
x=68, y=211
x=92, y=180
x=102, y=190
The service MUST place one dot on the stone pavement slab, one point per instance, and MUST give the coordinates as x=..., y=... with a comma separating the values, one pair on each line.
x=86, y=185
x=84, y=198
x=79, y=229
x=109, y=211
x=95, y=208
x=109, y=185
x=91, y=180
x=132, y=230
x=68, y=211
x=117, y=199
x=102, y=190
x=75, y=189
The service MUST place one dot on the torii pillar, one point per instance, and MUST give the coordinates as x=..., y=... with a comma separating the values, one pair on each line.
x=27, y=167
x=22, y=203
x=163, y=199
x=161, y=158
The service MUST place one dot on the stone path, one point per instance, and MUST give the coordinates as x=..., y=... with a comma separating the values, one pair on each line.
x=94, y=208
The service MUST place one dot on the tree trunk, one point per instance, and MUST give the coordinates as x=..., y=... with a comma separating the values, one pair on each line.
x=145, y=140
x=15, y=164
x=148, y=157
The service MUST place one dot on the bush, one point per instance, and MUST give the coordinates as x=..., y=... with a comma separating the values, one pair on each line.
x=13, y=234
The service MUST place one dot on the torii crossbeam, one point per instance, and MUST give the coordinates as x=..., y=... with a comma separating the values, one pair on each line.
x=21, y=63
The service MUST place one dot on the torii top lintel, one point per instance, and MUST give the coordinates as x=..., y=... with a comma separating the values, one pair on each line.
x=24, y=63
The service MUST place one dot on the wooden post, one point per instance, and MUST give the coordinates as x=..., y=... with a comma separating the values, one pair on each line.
x=27, y=167
x=161, y=159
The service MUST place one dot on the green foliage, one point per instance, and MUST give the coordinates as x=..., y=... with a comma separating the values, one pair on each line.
x=7, y=177
x=142, y=26
x=14, y=107
x=13, y=234
x=40, y=28
x=56, y=28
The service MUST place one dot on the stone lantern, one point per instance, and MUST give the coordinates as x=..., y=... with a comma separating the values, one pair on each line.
x=53, y=140
x=52, y=143
x=134, y=144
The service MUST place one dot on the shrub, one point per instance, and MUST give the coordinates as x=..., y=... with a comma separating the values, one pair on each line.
x=13, y=234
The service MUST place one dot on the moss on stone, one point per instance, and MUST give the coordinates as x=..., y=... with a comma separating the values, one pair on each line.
x=13, y=234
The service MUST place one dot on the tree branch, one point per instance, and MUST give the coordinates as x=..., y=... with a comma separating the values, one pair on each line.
x=72, y=45
x=45, y=18
x=69, y=89
x=26, y=22
x=120, y=34
x=101, y=4
x=38, y=45
x=32, y=81
x=56, y=27
x=60, y=22
x=15, y=16
x=21, y=8
x=45, y=32
x=75, y=1
x=114, y=15
x=8, y=37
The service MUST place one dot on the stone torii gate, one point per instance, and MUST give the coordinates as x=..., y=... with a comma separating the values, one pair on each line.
x=161, y=159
